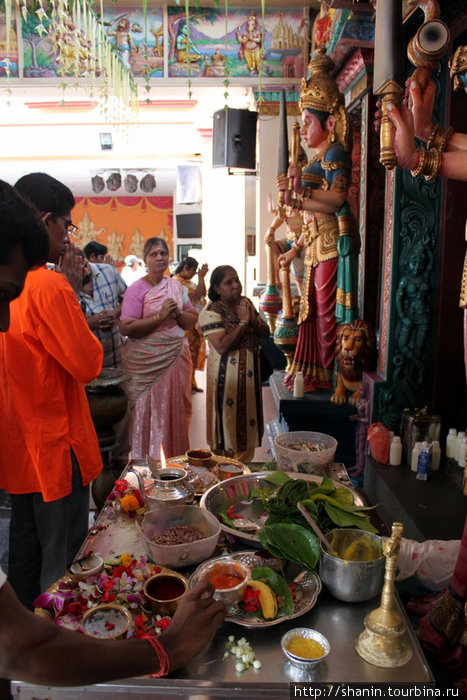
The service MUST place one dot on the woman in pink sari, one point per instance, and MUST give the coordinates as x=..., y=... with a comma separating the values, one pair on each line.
x=156, y=312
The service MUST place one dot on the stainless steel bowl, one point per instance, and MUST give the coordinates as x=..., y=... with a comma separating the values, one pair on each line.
x=221, y=495
x=307, y=633
x=352, y=581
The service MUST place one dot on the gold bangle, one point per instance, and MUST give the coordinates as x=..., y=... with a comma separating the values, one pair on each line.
x=429, y=164
x=439, y=137
x=298, y=248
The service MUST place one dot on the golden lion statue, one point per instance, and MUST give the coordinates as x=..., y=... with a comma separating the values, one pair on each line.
x=355, y=351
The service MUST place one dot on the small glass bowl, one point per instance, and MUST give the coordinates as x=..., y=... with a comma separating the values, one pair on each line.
x=300, y=661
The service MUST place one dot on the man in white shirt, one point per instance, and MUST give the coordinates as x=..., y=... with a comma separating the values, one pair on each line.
x=134, y=269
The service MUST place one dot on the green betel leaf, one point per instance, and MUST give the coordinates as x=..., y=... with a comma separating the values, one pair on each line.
x=348, y=519
x=277, y=477
x=278, y=584
x=268, y=543
x=296, y=543
x=344, y=495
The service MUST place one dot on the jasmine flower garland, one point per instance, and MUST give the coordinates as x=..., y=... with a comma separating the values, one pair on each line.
x=243, y=653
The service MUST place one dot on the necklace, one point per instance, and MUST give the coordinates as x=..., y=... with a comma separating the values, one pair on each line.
x=152, y=282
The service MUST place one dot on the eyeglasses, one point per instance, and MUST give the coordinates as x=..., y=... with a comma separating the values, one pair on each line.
x=69, y=225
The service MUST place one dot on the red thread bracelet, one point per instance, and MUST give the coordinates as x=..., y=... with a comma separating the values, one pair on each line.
x=161, y=656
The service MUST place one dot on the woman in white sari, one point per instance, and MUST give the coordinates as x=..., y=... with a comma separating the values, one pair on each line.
x=156, y=312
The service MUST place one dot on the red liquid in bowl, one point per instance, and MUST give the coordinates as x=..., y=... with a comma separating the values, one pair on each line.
x=223, y=577
x=165, y=588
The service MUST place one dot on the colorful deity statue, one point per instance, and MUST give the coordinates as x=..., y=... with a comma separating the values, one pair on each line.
x=327, y=241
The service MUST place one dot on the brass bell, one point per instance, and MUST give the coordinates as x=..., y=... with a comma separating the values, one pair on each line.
x=384, y=641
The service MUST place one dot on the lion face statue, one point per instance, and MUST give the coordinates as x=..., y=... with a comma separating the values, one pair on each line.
x=355, y=351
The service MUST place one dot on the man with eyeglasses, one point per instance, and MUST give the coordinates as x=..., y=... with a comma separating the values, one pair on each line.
x=48, y=445
x=32, y=648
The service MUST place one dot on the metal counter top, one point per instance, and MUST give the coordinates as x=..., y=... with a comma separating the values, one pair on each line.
x=207, y=676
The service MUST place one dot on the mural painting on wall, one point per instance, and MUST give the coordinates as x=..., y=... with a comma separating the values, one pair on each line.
x=123, y=224
x=8, y=60
x=139, y=42
x=213, y=46
x=61, y=50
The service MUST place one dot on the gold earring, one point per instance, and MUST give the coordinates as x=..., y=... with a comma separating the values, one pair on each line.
x=331, y=138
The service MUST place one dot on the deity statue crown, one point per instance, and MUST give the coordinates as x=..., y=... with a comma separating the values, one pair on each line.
x=320, y=91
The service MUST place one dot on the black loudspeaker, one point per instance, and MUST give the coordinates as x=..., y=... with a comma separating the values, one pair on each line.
x=234, y=139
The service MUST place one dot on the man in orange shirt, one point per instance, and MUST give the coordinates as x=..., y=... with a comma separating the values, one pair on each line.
x=48, y=445
x=32, y=648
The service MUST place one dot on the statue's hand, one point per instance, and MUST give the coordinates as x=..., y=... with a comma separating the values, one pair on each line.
x=404, y=137
x=420, y=99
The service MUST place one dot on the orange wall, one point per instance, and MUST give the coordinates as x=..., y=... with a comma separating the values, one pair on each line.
x=123, y=223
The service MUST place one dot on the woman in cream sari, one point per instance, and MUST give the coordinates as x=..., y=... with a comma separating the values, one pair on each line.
x=232, y=326
x=156, y=312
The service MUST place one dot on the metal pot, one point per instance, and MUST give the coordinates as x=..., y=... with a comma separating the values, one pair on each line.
x=171, y=489
x=352, y=581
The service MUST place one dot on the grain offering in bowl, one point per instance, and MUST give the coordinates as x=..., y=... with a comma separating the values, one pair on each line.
x=179, y=534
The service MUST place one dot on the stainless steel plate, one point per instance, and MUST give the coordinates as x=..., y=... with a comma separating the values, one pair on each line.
x=216, y=497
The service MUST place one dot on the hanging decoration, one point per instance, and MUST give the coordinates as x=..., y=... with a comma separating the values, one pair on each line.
x=81, y=46
x=226, y=57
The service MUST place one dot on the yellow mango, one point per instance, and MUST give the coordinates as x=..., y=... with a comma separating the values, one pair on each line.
x=267, y=599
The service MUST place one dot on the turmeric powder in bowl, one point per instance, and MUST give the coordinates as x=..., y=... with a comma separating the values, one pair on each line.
x=305, y=647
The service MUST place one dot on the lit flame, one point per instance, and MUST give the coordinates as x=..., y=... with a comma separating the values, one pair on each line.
x=163, y=462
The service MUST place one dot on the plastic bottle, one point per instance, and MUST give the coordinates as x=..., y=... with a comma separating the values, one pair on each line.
x=414, y=459
x=451, y=442
x=423, y=462
x=298, y=388
x=435, y=455
x=460, y=448
x=395, y=452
